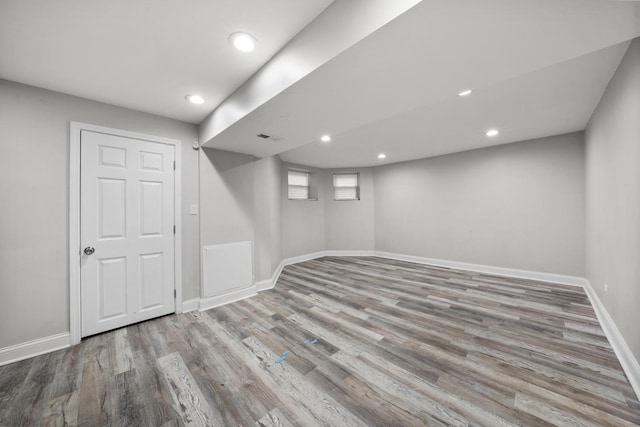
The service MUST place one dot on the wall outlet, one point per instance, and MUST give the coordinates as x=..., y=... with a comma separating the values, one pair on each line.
x=606, y=288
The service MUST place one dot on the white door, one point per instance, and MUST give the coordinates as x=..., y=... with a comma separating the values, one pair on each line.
x=127, y=230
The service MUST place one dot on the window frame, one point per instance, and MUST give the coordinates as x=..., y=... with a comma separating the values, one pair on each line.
x=308, y=186
x=356, y=187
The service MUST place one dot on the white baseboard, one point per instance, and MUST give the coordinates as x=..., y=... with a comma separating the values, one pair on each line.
x=349, y=253
x=190, y=305
x=302, y=258
x=218, y=300
x=620, y=347
x=33, y=348
x=267, y=284
x=489, y=269
x=264, y=285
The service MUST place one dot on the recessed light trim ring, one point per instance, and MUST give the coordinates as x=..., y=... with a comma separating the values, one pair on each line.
x=195, y=99
x=244, y=42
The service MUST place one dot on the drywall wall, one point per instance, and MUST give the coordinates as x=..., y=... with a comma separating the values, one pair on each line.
x=267, y=216
x=240, y=201
x=303, y=220
x=310, y=226
x=349, y=224
x=226, y=197
x=516, y=206
x=612, y=169
x=34, y=189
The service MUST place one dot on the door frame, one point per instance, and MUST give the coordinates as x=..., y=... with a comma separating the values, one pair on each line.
x=75, y=302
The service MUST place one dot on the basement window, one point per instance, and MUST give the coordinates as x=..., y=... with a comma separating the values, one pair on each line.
x=345, y=186
x=298, y=185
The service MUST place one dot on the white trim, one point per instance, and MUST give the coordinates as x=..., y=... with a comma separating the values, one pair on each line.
x=75, y=322
x=349, y=253
x=33, y=348
x=264, y=285
x=489, y=269
x=620, y=347
x=299, y=258
x=190, y=305
x=75, y=309
x=218, y=300
x=267, y=284
x=499, y=271
x=177, y=221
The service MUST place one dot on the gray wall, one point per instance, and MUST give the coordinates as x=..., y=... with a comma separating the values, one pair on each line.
x=349, y=224
x=518, y=206
x=34, y=195
x=240, y=201
x=226, y=197
x=302, y=220
x=613, y=198
x=310, y=226
x=267, y=216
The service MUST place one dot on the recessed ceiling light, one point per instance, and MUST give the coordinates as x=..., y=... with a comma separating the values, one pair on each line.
x=195, y=99
x=242, y=41
x=465, y=92
x=325, y=138
x=382, y=156
x=492, y=132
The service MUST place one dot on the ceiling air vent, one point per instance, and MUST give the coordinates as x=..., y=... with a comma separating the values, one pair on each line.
x=266, y=136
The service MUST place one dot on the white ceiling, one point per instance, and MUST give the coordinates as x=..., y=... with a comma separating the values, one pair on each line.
x=340, y=26
x=554, y=100
x=144, y=54
x=536, y=67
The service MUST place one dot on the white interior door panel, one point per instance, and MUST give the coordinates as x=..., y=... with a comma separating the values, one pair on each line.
x=127, y=230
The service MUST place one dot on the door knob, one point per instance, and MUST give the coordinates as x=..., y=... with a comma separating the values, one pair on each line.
x=89, y=250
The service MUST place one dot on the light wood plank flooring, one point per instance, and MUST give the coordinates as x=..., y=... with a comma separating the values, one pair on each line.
x=397, y=344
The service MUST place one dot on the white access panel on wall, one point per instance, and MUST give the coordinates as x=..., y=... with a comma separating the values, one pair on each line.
x=227, y=268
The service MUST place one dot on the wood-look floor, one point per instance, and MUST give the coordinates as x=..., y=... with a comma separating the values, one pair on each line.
x=397, y=344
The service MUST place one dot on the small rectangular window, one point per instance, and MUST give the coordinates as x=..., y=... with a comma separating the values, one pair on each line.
x=345, y=186
x=298, y=185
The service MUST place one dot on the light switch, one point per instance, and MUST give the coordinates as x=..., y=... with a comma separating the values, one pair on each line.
x=194, y=209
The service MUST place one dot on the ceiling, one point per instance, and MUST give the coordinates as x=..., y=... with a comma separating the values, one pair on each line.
x=378, y=76
x=145, y=54
x=554, y=100
x=537, y=68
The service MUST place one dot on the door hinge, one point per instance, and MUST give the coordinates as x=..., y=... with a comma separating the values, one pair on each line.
x=175, y=294
x=174, y=165
x=174, y=229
